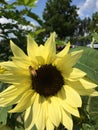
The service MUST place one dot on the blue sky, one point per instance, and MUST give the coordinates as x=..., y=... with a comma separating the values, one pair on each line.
x=87, y=7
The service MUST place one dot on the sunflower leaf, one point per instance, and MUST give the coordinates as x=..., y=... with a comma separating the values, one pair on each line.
x=88, y=62
x=3, y=114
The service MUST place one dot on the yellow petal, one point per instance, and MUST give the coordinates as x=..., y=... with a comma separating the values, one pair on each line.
x=61, y=64
x=40, y=122
x=9, y=101
x=36, y=109
x=72, y=97
x=49, y=125
x=87, y=83
x=31, y=47
x=15, y=79
x=27, y=113
x=24, y=102
x=8, y=91
x=11, y=95
x=66, y=63
x=94, y=93
x=2, y=70
x=21, y=62
x=38, y=113
x=11, y=68
x=14, y=74
x=64, y=51
x=76, y=74
x=28, y=118
x=67, y=106
x=9, y=65
x=50, y=48
x=54, y=112
x=67, y=120
x=75, y=56
x=50, y=43
x=40, y=60
x=80, y=89
x=61, y=94
x=72, y=110
x=17, y=51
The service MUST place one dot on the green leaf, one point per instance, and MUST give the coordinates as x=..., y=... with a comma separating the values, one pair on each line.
x=88, y=62
x=29, y=3
x=35, y=17
x=4, y=127
x=3, y=114
x=36, y=32
x=59, y=42
x=19, y=128
x=87, y=127
x=95, y=35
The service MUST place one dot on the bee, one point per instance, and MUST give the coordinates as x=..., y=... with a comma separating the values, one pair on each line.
x=33, y=71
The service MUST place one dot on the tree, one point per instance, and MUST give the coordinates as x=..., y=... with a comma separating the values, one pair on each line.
x=94, y=23
x=18, y=26
x=60, y=16
x=81, y=35
x=84, y=26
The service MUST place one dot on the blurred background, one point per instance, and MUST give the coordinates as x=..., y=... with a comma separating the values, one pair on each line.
x=72, y=20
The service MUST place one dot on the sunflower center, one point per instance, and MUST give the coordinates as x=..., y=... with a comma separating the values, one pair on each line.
x=47, y=81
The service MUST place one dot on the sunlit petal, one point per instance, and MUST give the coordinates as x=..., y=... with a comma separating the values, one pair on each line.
x=54, y=112
x=72, y=97
x=88, y=84
x=67, y=120
x=17, y=51
x=31, y=47
x=26, y=102
x=64, y=51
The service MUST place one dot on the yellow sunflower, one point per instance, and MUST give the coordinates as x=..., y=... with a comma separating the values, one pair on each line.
x=44, y=84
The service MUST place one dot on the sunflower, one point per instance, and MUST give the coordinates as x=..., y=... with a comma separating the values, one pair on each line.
x=44, y=84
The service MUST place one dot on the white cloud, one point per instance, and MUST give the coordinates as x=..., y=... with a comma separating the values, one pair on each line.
x=88, y=8
x=97, y=4
x=4, y=20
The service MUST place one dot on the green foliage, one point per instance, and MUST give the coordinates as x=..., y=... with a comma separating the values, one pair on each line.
x=4, y=127
x=17, y=13
x=95, y=36
x=83, y=26
x=88, y=62
x=3, y=115
x=94, y=23
x=29, y=3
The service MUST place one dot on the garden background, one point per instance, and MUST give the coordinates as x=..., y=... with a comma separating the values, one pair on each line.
x=62, y=17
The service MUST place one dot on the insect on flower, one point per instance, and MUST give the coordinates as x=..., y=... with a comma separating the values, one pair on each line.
x=33, y=71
